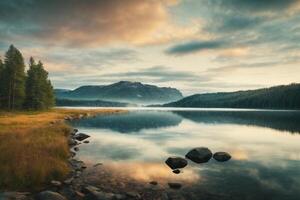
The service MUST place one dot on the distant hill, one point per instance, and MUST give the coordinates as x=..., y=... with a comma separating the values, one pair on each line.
x=123, y=91
x=278, y=97
x=60, y=91
x=91, y=103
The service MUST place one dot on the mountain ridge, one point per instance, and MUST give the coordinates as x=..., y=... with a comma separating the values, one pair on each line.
x=281, y=97
x=123, y=91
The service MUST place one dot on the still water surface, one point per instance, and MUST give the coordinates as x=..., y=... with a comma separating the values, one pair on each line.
x=265, y=149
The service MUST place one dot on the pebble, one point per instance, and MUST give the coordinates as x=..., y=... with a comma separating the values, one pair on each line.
x=176, y=171
x=56, y=183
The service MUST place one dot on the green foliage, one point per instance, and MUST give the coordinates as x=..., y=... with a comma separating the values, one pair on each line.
x=38, y=88
x=279, y=97
x=1, y=83
x=13, y=79
x=18, y=91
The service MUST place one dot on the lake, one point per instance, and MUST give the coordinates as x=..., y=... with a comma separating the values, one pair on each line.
x=264, y=145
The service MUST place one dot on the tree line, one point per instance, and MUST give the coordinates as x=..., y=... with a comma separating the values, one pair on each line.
x=20, y=89
x=277, y=97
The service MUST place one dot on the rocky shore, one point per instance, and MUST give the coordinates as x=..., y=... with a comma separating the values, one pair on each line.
x=77, y=187
x=83, y=184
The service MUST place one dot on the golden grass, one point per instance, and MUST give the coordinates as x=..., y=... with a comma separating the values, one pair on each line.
x=34, y=148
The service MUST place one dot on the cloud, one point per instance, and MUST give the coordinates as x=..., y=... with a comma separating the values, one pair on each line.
x=195, y=46
x=239, y=25
x=92, y=59
x=279, y=61
x=257, y=5
x=157, y=75
x=90, y=22
x=234, y=23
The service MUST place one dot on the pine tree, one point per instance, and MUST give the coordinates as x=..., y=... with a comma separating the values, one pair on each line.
x=31, y=86
x=49, y=92
x=13, y=78
x=1, y=83
x=47, y=88
x=38, y=88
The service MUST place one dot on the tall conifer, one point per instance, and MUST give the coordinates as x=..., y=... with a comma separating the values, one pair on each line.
x=38, y=88
x=13, y=79
x=1, y=83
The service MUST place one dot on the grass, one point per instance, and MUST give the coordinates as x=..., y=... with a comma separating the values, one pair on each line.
x=34, y=148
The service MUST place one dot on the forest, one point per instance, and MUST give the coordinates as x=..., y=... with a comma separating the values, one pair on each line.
x=21, y=89
x=277, y=97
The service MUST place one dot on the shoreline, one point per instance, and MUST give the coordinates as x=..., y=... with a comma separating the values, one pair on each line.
x=145, y=108
x=96, y=181
x=76, y=184
x=28, y=124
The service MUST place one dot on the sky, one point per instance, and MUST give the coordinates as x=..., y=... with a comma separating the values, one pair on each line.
x=196, y=46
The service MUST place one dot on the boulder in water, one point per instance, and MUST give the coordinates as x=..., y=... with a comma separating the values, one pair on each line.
x=81, y=136
x=222, y=156
x=176, y=162
x=175, y=186
x=199, y=155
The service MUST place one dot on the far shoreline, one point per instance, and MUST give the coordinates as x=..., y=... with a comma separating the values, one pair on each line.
x=143, y=108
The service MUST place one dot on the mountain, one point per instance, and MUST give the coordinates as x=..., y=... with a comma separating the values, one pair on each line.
x=123, y=91
x=278, y=97
x=60, y=91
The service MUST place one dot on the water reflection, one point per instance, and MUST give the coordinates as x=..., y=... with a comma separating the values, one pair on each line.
x=132, y=122
x=138, y=120
x=280, y=120
x=265, y=161
x=250, y=180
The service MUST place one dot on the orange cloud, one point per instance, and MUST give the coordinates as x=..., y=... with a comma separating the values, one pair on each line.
x=101, y=22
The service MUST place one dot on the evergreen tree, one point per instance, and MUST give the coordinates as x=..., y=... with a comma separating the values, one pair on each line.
x=38, y=88
x=1, y=83
x=49, y=92
x=31, y=85
x=13, y=77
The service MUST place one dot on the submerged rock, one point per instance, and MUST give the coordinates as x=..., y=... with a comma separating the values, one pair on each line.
x=135, y=195
x=14, y=195
x=153, y=182
x=68, y=192
x=77, y=164
x=81, y=136
x=175, y=185
x=89, y=189
x=94, y=193
x=98, y=164
x=176, y=162
x=222, y=156
x=199, y=155
x=49, y=195
x=176, y=171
